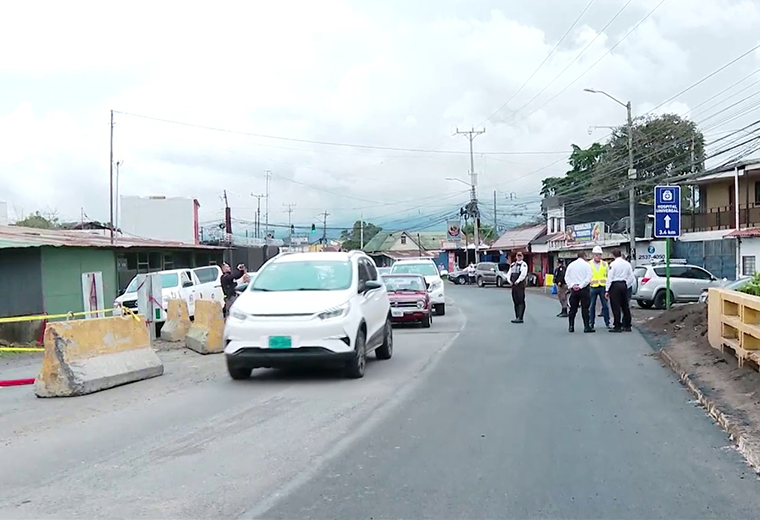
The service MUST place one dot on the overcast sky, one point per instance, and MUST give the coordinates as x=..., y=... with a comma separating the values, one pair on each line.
x=395, y=73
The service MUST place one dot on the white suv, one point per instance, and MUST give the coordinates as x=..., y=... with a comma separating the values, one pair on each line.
x=429, y=270
x=310, y=309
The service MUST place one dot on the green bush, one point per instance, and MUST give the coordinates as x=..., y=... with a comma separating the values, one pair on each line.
x=752, y=286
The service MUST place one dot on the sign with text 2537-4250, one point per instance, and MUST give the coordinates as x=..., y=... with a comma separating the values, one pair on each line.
x=667, y=211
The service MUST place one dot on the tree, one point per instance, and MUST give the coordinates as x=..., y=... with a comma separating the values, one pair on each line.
x=486, y=233
x=352, y=238
x=39, y=221
x=577, y=180
x=664, y=147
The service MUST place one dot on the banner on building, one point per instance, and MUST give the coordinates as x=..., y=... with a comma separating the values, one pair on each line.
x=584, y=233
x=454, y=230
x=92, y=293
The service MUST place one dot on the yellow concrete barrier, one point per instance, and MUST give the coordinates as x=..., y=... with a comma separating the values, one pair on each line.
x=206, y=334
x=84, y=356
x=177, y=321
x=733, y=321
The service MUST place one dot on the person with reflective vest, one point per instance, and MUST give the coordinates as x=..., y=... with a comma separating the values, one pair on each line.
x=598, y=287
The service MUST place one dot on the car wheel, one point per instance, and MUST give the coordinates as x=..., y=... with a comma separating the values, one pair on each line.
x=355, y=367
x=499, y=282
x=645, y=304
x=440, y=309
x=238, y=373
x=426, y=322
x=481, y=283
x=461, y=280
x=385, y=351
x=660, y=300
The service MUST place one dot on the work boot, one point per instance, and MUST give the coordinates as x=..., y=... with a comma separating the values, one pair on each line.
x=588, y=330
x=571, y=328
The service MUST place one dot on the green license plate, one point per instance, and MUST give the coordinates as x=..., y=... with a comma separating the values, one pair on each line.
x=280, y=342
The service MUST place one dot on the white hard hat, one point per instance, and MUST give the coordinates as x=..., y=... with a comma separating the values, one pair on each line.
x=596, y=251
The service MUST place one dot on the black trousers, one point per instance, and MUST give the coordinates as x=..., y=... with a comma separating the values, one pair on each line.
x=619, y=302
x=580, y=299
x=518, y=298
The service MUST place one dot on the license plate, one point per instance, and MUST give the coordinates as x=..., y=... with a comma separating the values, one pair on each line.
x=280, y=342
x=397, y=313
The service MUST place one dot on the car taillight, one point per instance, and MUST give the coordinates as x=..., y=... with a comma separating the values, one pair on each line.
x=644, y=280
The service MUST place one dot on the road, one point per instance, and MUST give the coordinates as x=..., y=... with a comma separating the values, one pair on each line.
x=474, y=418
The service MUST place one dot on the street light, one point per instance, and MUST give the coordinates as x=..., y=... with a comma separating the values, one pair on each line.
x=459, y=180
x=631, y=171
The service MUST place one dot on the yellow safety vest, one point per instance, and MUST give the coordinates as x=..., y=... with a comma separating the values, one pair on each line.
x=599, y=275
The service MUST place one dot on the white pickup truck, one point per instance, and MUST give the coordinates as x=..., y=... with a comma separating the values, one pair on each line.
x=188, y=284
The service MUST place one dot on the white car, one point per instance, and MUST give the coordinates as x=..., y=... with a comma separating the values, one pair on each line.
x=188, y=284
x=310, y=309
x=429, y=270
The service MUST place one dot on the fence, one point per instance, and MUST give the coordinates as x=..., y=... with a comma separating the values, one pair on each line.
x=717, y=256
x=733, y=323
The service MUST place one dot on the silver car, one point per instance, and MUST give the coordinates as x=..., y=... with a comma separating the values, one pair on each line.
x=732, y=286
x=491, y=273
x=686, y=284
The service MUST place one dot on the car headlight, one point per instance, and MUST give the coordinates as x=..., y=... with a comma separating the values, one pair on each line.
x=238, y=315
x=420, y=304
x=335, y=312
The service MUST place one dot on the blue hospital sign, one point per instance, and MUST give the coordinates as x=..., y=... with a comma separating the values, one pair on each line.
x=667, y=211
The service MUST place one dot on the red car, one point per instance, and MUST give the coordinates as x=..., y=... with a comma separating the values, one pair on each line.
x=410, y=301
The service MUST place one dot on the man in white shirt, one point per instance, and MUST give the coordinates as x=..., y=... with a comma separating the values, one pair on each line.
x=578, y=277
x=619, y=279
x=517, y=274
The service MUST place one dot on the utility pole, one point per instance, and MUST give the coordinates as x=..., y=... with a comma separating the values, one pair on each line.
x=495, y=217
x=266, y=214
x=289, y=209
x=257, y=226
x=227, y=215
x=110, y=165
x=324, y=226
x=471, y=135
x=632, y=190
x=117, y=203
x=361, y=232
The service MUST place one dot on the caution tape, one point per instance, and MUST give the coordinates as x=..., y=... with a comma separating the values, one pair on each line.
x=68, y=315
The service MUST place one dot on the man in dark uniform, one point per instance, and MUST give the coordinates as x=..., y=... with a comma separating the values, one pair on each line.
x=229, y=284
x=559, y=280
x=517, y=274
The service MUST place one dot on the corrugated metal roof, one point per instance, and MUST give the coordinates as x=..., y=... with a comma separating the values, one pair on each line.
x=518, y=238
x=15, y=237
x=745, y=233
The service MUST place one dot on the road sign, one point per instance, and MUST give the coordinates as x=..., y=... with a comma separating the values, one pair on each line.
x=667, y=211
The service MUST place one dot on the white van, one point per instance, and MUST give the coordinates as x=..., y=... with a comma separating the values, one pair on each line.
x=188, y=284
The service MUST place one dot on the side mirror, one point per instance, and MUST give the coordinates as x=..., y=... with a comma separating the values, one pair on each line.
x=370, y=285
x=187, y=283
x=121, y=291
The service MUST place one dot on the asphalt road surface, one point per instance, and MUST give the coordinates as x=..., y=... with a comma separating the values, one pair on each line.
x=474, y=418
x=527, y=421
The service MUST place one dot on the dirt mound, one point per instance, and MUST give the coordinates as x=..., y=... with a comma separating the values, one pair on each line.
x=688, y=322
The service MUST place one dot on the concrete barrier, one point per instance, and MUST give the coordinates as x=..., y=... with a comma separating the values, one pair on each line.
x=206, y=334
x=733, y=321
x=177, y=321
x=84, y=356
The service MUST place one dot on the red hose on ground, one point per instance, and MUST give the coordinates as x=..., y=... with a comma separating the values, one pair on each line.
x=17, y=382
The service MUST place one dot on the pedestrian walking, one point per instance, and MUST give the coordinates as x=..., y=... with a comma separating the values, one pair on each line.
x=598, y=283
x=618, y=283
x=578, y=277
x=517, y=274
x=559, y=280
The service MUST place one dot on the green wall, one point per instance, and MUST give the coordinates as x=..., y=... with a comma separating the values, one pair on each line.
x=62, y=269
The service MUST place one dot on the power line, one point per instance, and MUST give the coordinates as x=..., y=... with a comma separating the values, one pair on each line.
x=542, y=63
x=329, y=143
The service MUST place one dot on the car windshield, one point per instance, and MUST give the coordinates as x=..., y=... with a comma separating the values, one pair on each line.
x=404, y=283
x=304, y=275
x=168, y=280
x=425, y=269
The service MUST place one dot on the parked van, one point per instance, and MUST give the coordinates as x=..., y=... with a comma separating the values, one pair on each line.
x=188, y=284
